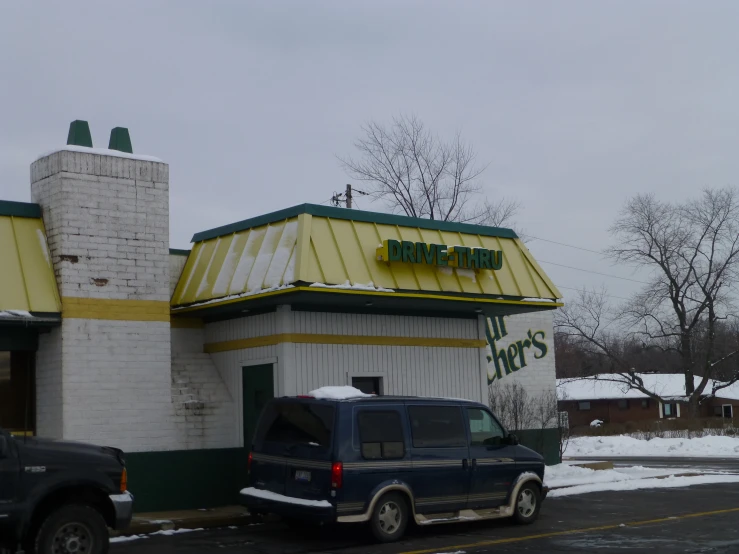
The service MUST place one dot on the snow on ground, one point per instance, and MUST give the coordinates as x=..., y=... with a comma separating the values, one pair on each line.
x=652, y=483
x=581, y=480
x=704, y=447
x=165, y=532
x=565, y=475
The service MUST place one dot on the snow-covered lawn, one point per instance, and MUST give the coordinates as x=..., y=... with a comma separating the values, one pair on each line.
x=704, y=447
x=580, y=480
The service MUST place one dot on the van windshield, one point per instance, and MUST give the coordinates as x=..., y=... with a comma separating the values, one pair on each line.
x=302, y=423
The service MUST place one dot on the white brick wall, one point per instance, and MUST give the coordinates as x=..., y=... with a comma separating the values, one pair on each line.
x=537, y=375
x=107, y=223
x=204, y=410
x=49, y=385
x=187, y=341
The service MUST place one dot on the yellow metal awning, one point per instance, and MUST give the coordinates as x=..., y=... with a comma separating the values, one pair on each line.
x=27, y=282
x=315, y=248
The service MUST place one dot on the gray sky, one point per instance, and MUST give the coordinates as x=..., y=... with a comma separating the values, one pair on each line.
x=576, y=104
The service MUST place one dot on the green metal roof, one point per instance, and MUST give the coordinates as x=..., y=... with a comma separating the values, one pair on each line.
x=354, y=215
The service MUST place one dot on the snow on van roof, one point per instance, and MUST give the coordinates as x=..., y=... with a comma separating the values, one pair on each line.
x=338, y=393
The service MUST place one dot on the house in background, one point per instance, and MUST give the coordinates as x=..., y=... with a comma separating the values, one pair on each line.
x=600, y=397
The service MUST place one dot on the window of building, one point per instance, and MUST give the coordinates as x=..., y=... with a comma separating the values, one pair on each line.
x=645, y=404
x=623, y=404
x=484, y=430
x=728, y=411
x=17, y=391
x=381, y=435
x=437, y=426
x=583, y=406
x=368, y=385
x=669, y=410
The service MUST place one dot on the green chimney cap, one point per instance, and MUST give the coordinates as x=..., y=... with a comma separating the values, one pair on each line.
x=120, y=140
x=79, y=134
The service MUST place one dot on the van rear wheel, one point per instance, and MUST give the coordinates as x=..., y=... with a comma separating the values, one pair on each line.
x=390, y=517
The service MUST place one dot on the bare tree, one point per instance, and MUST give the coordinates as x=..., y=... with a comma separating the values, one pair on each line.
x=691, y=251
x=512, y=405
x=415, y=173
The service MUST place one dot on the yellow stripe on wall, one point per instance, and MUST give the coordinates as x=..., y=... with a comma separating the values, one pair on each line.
x=118, y=310
x=307, y=338
x=187, y=323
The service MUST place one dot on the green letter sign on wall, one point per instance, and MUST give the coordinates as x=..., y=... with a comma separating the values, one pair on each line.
x=439, y=254
x=505, y=360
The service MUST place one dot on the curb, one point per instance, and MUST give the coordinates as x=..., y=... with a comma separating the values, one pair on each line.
x=145, y=526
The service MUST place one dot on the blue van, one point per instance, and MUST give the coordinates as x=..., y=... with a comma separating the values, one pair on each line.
x=389, y=460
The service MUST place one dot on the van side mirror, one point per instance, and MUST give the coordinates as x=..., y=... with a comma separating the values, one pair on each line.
x=3, y=447
x=512, y=439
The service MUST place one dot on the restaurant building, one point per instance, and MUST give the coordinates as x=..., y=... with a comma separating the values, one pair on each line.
x=109, y=336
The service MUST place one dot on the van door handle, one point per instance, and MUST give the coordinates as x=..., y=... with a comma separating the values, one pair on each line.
x=464, y=464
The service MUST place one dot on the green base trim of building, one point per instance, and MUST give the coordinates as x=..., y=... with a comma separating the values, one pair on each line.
x=186, y=479
x=543, y=441
x=192, y=479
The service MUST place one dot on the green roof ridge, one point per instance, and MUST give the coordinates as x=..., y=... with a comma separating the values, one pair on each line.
x=19, y=209
x=354, y=215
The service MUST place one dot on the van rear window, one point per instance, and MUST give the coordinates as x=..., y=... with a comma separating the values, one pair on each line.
x=297, y=423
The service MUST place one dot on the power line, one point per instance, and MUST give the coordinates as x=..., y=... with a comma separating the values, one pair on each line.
x=567, y=245
x=578, y=290
x=595, y=272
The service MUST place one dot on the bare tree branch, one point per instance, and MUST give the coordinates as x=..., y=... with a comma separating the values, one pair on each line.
x=416, y=173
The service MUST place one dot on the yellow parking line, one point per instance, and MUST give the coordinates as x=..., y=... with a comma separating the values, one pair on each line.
x=573, y=531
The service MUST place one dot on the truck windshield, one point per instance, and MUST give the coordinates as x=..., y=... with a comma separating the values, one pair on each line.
x=303, y=423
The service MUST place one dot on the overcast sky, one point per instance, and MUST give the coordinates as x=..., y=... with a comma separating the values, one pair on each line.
x=576, y=105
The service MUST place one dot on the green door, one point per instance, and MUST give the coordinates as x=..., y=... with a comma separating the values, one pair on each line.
x=258, y=388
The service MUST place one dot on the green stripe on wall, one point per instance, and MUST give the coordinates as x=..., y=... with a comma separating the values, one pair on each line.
x=186, y=479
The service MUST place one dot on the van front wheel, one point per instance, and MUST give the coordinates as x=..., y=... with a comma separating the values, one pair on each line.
x=527, y=504
x=390, y=517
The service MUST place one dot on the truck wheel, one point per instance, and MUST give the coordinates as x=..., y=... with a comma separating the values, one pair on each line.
x=389, y=517
x=527, y=504
x=72, y=529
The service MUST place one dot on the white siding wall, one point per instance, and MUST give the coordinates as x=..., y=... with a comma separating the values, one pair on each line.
x=299, y=368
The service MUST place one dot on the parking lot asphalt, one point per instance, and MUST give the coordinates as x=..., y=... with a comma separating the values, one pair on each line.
x=699, y=519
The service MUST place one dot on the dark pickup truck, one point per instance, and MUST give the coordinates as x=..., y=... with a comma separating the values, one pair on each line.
x=60, y=497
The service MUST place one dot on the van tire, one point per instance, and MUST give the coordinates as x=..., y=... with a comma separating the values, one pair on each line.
x=390, y=517
x=528, y=503
x=79, y=523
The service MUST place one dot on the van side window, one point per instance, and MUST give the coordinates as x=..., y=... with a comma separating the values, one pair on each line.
x=484, y=430
x=381, y=435
x=437, y=426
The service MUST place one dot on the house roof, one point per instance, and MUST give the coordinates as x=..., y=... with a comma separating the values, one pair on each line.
x=317, y=249
x=602, y=387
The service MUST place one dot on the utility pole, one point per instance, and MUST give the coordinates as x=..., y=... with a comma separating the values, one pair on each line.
x=346, y=197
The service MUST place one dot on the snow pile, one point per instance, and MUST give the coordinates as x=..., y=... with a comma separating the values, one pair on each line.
x=704, y=447
x=269, y=495
x=337, y=393
x=653, y=483
x=596, y=423
x=13, y=314
x=566, y=475
x=99, y=151
x=349, y=286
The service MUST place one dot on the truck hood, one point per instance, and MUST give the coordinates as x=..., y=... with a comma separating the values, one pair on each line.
x=41, y=450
